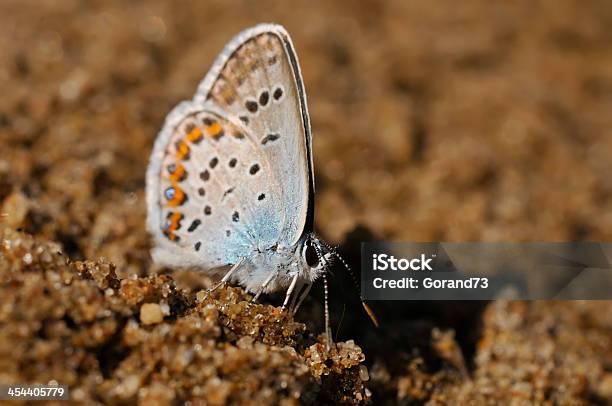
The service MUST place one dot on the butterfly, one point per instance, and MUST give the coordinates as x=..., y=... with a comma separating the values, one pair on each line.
x=230, y=181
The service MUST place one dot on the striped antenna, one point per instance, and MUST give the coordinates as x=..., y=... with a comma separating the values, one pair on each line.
x=327, y=327
x=365, y=305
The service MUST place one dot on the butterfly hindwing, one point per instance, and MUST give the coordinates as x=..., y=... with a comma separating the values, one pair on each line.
x=214, y=191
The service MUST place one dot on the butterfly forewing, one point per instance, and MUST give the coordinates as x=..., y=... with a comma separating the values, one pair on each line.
x=257, y=80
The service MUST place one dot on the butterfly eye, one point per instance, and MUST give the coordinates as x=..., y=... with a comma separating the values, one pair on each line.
x=310, y=255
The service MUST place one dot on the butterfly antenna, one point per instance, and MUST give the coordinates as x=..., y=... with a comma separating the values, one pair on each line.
x=365, y=305
x=326, y=294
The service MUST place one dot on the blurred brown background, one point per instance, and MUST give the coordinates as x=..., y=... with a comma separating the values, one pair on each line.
x=437, y=121
x=485, y=122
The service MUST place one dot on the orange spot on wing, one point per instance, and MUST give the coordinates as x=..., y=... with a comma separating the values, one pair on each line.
x=179, y=197
x=175, y=221
x=173, y=224
x=182, y=150
x=195, y=135
x=178, y=174
x=215, y=130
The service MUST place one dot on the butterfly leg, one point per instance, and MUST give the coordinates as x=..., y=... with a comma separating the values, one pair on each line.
x=263, y=286
x=294, y=282
x=295, y=296
x=302, y=297
x=227, y=276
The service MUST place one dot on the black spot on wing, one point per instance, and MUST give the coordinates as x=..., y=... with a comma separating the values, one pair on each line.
x=194, y=224
x=227, y=192
x=264, y=97
x=269, y=138
x=278, y=93
x=251, y=106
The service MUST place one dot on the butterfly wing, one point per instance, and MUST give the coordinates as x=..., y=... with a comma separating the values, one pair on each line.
x=227, y=176
x=257, y=79
x=211, y=193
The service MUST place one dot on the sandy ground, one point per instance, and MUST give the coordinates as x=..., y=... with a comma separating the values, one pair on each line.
x=485, y=122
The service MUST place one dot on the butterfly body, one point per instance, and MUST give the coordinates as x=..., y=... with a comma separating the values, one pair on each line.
x=286, y=263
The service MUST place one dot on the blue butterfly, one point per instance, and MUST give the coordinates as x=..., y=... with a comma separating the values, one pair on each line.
x=230, y=180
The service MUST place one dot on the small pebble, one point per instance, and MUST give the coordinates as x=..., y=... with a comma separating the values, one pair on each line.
x=363, y=373
x=151, y=313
